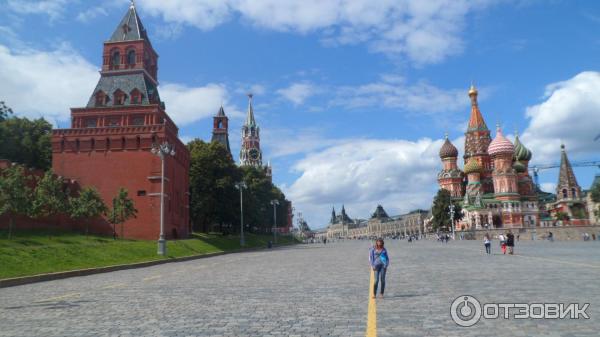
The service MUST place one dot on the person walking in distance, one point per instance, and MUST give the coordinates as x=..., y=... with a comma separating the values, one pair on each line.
x=510, y=242
x=487, y=242
x=502, y=240
x=379, y=261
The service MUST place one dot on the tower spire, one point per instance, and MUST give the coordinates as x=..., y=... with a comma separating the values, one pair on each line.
x=250, y=115
x=476, y=121
x=566, y=177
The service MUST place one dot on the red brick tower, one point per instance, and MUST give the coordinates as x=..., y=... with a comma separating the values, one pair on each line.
x=250, y=153
x=477, y=140
x=109, y=142
x=220, y=132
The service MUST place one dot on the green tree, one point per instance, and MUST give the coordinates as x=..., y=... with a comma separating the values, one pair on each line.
x=86, y=206
x=5, y=111
x=441, y=210
x=26, y=142
x=15, y=194
x=50, y=197
x=122, y=210
x=213, y=197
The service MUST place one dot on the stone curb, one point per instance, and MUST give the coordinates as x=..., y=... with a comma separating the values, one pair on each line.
x=17, y=281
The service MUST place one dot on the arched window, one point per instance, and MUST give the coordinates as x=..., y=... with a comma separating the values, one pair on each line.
x=574, y=192
x=115, y=59
x=107, y=144
x=77, y=145
x=123, y=143
x=62, y=145
x=138, y=142
x=93, y=144
x=564, y=192
x=219, y=124
x=154, y=140
x=131, y=57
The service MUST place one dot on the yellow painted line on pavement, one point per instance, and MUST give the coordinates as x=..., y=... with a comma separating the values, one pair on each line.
x=372, y=312
x=57, y=298
x=150, y=278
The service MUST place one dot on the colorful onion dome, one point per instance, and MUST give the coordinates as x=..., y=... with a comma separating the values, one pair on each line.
x=500, y=145
x=472, y=166
x=521, y=152
x=519, y=167
x=448, y=150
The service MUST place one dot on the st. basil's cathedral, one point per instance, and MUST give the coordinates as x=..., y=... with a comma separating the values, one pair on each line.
x=495, y=189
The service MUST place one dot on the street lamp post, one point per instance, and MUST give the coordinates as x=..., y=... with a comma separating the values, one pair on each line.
x=240, y=186
x=275, y=203
x=452, y=219
x=163, y=150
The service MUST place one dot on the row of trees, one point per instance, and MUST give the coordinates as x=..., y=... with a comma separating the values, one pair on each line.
x=215, y=201
x=22, y=193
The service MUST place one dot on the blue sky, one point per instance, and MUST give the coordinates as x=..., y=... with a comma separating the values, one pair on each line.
x=353, y=96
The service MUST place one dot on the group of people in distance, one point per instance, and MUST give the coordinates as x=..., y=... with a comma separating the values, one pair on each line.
x=506, y=241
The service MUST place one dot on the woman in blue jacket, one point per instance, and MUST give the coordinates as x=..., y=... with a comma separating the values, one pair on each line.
x=379, y=261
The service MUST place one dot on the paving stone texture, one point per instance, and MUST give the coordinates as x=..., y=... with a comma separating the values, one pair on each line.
x=315, y=290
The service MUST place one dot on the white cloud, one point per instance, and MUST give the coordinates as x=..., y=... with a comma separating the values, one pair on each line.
x=204, y=15
x=423, y=31
x=90, y=14
x=399, y=174
x=570, y=114
x=394, y=92
x=53, y=8
x=186, y=105
x=297, y=93
x=45, y=83
x=287, y=142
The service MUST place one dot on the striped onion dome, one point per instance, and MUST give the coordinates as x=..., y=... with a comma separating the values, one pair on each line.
x=500, y=145
x=521, y=152
x=472, y=166
x=448, y=149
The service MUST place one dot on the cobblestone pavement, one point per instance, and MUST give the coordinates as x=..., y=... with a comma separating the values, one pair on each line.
x=314, y=290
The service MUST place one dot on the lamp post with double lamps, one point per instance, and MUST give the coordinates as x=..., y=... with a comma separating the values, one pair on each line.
x=163, y=150
x=275, y=203
x=452, y=219
x=240, y=186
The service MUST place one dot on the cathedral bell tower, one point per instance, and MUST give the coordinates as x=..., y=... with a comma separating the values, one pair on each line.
x=477, y=141
x=250, y=154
